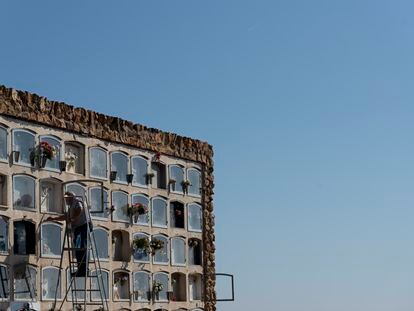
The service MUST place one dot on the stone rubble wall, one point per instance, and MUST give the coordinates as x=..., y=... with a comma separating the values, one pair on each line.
x=34, y=108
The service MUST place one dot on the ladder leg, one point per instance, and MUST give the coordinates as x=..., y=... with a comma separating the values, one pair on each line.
x=60, y=268
x=99, y=278
x=86, y=264
x=67, y=241
x=73, y=288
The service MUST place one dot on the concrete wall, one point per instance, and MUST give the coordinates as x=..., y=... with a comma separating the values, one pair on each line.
x=24, y=110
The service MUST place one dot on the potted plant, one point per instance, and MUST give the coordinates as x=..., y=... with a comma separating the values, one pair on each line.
x=157, y=157
x=47, y=151
x=155, y=245
x=185, y=184
x=41, y=153
x=192, y=243
x=157, y=287
x=137, y=209
x=141, y=244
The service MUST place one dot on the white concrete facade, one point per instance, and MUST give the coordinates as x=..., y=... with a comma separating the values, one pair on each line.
x=184, y=278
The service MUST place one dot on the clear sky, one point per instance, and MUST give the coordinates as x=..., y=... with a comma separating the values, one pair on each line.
x=309, y=106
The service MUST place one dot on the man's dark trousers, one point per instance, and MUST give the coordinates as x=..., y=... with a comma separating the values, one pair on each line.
x=80, y=240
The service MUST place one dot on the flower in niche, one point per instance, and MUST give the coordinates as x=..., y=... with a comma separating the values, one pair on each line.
x=42, y=152
x=193, y=243
x=111, y=209
x=156, y=244
x=47, y=150
x=157, y=286
x=121, y=279
x=141, y=244
x=71, y=158
x=137, y=209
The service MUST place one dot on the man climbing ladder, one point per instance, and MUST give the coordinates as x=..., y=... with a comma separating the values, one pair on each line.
x=80, y=241
x=78, y=219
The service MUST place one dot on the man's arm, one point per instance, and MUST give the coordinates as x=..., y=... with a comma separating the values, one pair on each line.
x=57, y=218
x=73, y=212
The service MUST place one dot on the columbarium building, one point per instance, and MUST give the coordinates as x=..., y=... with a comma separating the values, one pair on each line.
x=150, y=197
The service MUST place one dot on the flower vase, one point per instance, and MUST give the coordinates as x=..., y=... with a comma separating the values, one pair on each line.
x=170, y=296
x=129, y=178
x=112, y=175
x=16, y=156
x=62, y=166
x=149, y=178
x=32, y=159
x=43, y=161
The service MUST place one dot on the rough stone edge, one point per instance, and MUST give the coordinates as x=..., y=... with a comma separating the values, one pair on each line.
x=34, y=108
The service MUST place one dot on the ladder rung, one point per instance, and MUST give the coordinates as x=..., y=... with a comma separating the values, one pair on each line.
x=85, y=290
x=75, y=262
x=75, y=249
x=75, y=265
x=89, y=276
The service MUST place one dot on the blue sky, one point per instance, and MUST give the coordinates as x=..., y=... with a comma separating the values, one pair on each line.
x=309, y=106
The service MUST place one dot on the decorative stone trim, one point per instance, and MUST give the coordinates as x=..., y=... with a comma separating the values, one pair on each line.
x=34, y=108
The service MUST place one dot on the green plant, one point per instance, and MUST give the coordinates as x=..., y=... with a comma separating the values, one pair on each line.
x=193, y=243
x=185, y=184
x=156, y=244
x=141, y=244
x=157, y=287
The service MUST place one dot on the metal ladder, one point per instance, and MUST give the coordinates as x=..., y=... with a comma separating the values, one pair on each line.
x=90, y=258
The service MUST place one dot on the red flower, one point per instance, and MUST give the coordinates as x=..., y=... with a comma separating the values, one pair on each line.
x=46, y=149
